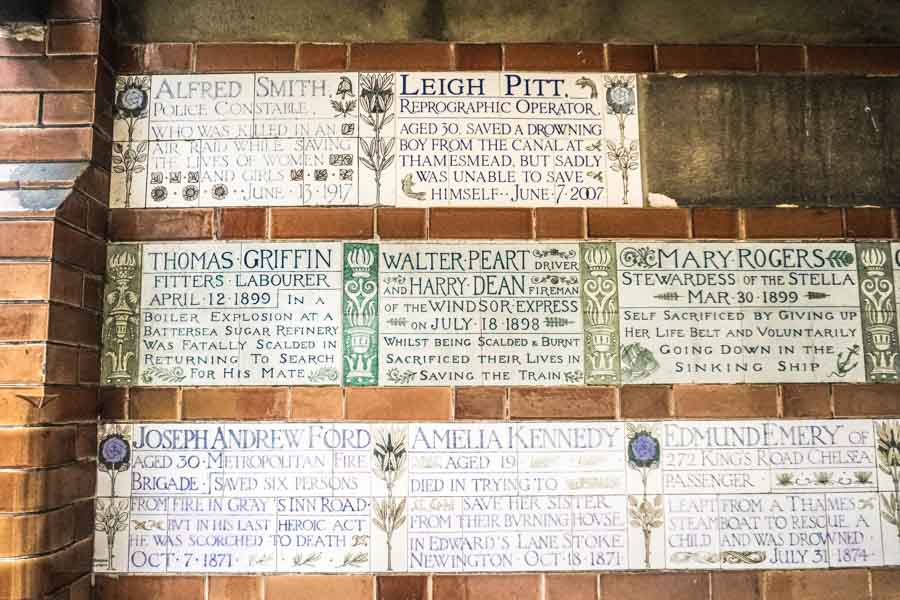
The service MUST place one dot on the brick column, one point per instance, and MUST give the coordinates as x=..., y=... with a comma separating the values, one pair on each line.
x=54, y=127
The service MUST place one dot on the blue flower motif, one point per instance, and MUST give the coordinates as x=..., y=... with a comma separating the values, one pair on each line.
x=114, y=451
x=643, y=450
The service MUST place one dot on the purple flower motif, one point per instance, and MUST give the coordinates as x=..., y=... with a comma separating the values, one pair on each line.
x=643, y=450
x=114, y=452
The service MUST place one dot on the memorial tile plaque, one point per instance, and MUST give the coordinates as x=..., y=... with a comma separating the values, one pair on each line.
x=732, y=313
x=414, y=139
x=223, y=313
x=475, y=314
x=496, y=313
x=496, y=496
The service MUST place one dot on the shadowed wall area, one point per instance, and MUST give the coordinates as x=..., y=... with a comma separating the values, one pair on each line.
x=656, y=21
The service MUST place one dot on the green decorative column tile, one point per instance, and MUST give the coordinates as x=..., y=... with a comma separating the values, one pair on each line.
x=878, y=311
x=121, y=315
x=600, y=309
x=360, y=308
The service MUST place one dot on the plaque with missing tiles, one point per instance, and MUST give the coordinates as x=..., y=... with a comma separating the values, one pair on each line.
x=496, y=496
x=498, y=313
x=364, y=139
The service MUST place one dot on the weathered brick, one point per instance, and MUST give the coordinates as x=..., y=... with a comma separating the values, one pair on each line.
x=401, y=223
x=34, y=577
x=554, y=57
x=317, y=403
x=235, y=403
x=477, y=223
x=726, y=401
x=76, y=248
x=167, y=58
x=113, y=403
x=562, y=403
x=840, y=584
x=30, y=144
x=862, y=400
x=492, y=587
x=22, y=535
x=715, y=223
x=778, y=223
x=639, y=222
x=478, y=57
x=322, y=223
x=479, y=403
x=129, y=225
x=66, y=285
x=322, y=57
x=74, y=38
x=57, y=74
x=140, y=587
x=73, y=325
x=402, y=587
x=68, y=109
x=37, y=446
x=74, y=9
x=62, y=364
x=630, y=58
x=559, y=223
x=38, y=405
x=88, y=366
x=86, y=441
x=401, y=404
x=33, y=491
x=690, y=57
x=14, y=47
x=880, y=60
x=571, y=587
x=245, y=57
x=153, y=404
x=409, y=56
x=781, y=59
x=869, y=223
x=317, y=587
x=24, y=281
x=645, y=401
x=736, y=586
x=19, y=109
x=22, y=363
x=805, y=400
x=885, y=584
x=659, y=586
x=235, y=588
x=23, y=322
x=241, y=223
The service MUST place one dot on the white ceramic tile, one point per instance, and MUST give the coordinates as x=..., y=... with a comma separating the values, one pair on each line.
x=709, y=457
x=732, y=313
x=252, y=313
x=692, y=532
x=480, y=314
x=424, y=139
x=490, y=497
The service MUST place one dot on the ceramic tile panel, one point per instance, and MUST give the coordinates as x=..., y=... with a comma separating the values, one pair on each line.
x=243, y=313
x=739, y=312
x=499, y=313
x=410, y=139
x=480, y=314
x=349, y=497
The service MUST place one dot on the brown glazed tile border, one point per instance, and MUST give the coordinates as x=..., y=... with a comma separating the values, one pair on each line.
x=544, y=223
x=439, y=56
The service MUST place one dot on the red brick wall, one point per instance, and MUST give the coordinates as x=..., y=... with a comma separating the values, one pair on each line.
x=53, y=107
